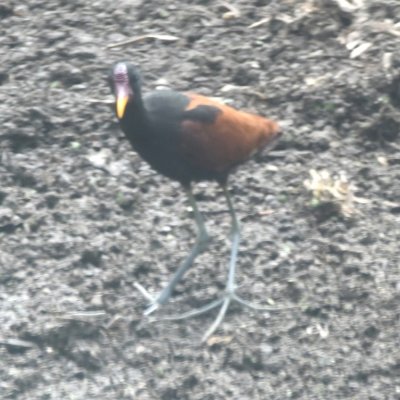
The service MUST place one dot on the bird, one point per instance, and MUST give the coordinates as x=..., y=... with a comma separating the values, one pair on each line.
x=188, y=138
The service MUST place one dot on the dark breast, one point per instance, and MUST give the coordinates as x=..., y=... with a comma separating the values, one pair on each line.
x=158, y=137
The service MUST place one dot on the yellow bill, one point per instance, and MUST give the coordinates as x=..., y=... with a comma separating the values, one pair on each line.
x=121, y=103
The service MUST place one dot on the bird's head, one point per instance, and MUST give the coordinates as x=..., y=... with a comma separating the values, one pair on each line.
x=125, y=84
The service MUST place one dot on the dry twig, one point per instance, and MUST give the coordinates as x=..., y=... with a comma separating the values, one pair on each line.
x=164, y=38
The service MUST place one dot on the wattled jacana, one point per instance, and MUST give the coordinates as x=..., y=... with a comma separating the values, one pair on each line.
x=188, y=138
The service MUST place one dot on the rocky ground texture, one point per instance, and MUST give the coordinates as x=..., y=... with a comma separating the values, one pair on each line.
x=82, y=218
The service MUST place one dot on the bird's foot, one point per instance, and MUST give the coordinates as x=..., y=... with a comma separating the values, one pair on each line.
x=224, y=302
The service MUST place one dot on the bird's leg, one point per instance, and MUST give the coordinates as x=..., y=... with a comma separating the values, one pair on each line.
x=235, y=232
x=199, y=246
x=230, y=294
x=230, y=283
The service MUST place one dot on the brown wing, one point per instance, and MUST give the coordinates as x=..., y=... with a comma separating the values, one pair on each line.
x=227, y=139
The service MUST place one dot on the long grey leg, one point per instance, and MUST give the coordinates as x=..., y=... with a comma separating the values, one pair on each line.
x=230, y=294
x=235, y=232
x=199, y=246
x=230, y=283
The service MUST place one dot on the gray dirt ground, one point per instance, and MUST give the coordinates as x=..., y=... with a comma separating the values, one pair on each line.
x=82, y=218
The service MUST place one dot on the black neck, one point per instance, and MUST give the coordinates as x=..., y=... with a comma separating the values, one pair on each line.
x=135, y=118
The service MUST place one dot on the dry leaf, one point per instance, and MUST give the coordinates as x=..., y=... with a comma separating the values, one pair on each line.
x=219, y=340
x=335, y=189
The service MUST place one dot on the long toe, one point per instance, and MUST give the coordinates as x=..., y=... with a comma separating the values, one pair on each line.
x=224, y=303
